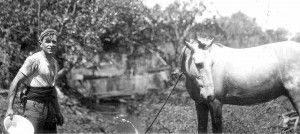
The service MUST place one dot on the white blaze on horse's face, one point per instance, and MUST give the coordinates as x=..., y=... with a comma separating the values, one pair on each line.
x=199, y=56
x=201, y=74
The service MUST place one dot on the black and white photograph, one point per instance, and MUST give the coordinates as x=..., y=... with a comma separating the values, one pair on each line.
x=149, y=66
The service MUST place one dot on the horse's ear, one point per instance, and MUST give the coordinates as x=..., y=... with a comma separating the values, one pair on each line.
x=189, y=45
x=205, y=43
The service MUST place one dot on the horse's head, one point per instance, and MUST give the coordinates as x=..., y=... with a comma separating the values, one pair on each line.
x=199, y=65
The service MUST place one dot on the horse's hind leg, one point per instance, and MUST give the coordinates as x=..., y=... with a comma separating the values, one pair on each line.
x=202, y=116
x=216, y=115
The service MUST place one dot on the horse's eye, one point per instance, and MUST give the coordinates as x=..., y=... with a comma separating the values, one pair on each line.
x=200, y=65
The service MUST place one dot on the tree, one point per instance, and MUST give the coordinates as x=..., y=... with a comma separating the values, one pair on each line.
x=241, y=31
x=296, y=37
x=17, y=36
x=172, y=25
x=87, y=29
x=277, y=35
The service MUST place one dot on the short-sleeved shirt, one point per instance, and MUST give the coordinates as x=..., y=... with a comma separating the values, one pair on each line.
x=38, y=71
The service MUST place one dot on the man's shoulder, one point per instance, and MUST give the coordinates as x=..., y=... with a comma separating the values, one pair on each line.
x=34, y=57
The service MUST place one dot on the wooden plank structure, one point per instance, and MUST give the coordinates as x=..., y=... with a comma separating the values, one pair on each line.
x=118, y=86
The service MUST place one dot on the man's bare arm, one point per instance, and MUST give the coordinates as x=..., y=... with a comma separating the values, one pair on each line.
x=13, y=89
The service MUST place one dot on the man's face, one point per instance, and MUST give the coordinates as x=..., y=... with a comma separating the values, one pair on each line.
x=49, y=44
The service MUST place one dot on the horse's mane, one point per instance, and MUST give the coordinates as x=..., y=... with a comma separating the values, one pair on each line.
x=182, y=57
x=219, y=44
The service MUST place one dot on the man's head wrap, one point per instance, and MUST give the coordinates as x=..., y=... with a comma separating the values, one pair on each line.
x=48, y=31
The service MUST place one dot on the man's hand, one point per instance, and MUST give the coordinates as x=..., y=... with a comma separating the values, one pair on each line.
x=60, y=119
x=10, y=112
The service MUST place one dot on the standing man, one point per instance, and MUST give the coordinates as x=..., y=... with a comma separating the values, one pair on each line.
x=39, y=73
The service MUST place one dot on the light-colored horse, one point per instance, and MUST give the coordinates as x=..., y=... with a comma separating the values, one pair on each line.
x=217, y=75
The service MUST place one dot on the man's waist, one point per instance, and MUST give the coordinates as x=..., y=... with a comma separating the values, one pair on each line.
x=42, y=87
x=40, y=94
x=40, y=99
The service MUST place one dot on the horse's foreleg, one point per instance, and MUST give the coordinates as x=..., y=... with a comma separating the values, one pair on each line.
x=216, y=115
x=202, y=116
x=295, y=100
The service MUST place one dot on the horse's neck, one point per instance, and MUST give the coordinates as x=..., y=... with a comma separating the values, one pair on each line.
x=217, y=49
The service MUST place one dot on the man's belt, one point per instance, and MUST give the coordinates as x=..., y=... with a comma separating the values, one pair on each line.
x=41, y=94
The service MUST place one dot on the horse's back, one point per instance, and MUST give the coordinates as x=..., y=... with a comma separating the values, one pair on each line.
x=252, y=72
x=261, y=59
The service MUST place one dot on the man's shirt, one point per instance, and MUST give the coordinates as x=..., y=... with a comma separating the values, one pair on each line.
x=38, y=71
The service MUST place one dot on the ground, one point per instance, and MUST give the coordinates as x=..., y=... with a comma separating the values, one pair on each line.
x=178, y=115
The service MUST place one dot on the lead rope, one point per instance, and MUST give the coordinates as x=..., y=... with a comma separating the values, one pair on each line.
x=164, y=103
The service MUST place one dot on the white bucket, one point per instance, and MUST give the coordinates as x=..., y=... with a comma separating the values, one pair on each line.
x=18, y=125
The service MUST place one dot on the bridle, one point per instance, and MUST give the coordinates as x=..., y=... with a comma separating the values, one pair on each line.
x=210, y=98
